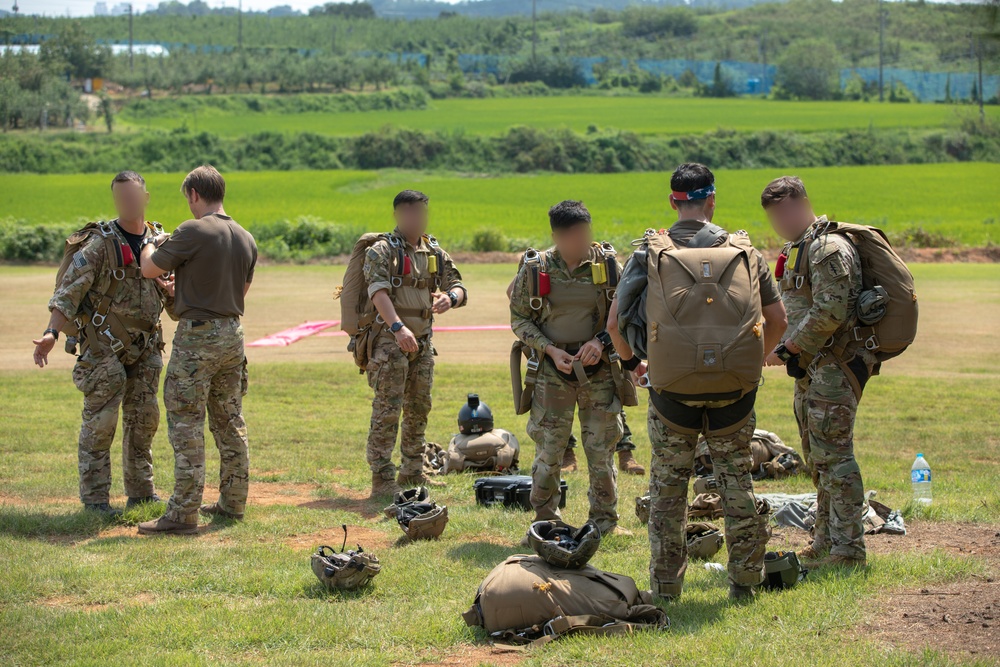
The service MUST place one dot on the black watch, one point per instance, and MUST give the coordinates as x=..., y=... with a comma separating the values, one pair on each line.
x=604, y=338
x=396, y=327
x=149, y=240
x=783, y=353
x=54, y=332
x=454, y=298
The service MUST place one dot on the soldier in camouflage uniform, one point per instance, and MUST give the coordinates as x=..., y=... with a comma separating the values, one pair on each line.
x=114, y=314
x=213, y=258
x=728, y=425
x=565, y=328
x=410, y=279
x=820, y=279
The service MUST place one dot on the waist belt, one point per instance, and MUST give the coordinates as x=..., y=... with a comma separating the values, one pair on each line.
x=422, y=313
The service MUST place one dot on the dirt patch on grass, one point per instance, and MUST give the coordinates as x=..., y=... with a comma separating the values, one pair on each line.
x=370, y=540
x=981, y=540
x=468, y=655
x=961, y=619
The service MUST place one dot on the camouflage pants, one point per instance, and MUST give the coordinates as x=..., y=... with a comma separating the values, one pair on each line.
x=625, y=444
x=106, y=388
x=402, y=384
x=550, y=423
x=825, y=408
x=746, y=530
x=207, y=372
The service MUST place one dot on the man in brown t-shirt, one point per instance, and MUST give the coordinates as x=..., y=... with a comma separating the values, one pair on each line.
x=213, y=260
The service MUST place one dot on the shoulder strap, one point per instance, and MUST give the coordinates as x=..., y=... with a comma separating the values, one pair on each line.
x=707, y=236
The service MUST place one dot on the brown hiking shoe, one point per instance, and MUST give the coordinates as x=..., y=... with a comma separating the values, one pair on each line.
x=413, y=481
x=812, y=553
x=569, y=460
x=383, y=487
x=164, y=526
x=628, y=464
x=618, y=530
x=214, y=510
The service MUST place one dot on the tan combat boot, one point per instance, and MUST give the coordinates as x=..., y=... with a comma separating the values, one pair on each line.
x=628, y=464
x=382, y=487
x=569, y=460
x=618, y=530
x=164, y=526
x=811, y=553
x=413, y=481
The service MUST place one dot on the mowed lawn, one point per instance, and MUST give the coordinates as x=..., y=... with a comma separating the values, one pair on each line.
x=953, y=199
x=643, y=115
x=78, y=591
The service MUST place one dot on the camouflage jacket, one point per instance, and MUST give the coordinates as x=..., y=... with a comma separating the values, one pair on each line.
x=534, y=326
x=411, y=292
x=88, y=278
x=819, y=287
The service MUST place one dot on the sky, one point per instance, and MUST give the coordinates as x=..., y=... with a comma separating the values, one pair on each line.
x=86, y=7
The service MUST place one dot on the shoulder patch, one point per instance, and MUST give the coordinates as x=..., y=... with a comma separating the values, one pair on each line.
x=79, y=260
x=372, y=253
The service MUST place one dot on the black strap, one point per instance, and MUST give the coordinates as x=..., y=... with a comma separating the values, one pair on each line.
x=707, y=236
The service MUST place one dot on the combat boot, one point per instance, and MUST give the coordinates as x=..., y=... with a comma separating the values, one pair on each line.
x=382, y=486
x=413, y=481
x=628, y=464
x=618, y=530
x=164, y=526
x=569, y=460
x=104, y=509
x=739, y=593
x=214, y=510
x=811, y=553
x=135, y=502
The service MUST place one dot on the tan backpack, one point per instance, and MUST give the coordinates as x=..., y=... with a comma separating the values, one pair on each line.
x=496, y=451
x=525, y=600
x=882, y=268
x=705, y=327
x=356, y=308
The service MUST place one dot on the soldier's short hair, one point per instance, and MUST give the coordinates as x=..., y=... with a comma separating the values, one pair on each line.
x=127, y=176
x=567, y=213
x=409, y=197
x=689, y=177
x=780, y=189
x=207, y=182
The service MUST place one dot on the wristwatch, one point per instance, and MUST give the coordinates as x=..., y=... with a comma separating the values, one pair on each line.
x=149, y=240
x=454, y=298
x=54, y=332
x=396, y=327
x=783, y=353
x=604, y=338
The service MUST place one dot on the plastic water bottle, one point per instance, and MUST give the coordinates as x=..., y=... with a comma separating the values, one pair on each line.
x=920, y=478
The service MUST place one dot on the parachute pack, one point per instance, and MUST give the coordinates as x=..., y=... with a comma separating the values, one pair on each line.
x=525, y=600
x=344, y=571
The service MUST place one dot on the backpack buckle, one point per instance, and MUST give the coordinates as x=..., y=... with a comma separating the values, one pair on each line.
x=394, y=241
x=644, y=381
x=531, y=256
x=118, y=274
x=799, y=281
x=116, y=345
x=97, y=319
x=535, y=302
x=396, y=281
x=533, y=363
x=871, y=344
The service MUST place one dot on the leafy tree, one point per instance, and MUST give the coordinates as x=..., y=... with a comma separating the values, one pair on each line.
x=809, y=69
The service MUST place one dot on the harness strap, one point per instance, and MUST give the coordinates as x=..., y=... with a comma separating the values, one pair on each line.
x=523, y=395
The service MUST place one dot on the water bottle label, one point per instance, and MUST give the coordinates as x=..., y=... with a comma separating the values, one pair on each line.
x=918, y=476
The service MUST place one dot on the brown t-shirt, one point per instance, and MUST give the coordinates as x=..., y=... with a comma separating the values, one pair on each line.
x=213, y=259
x=683, y=231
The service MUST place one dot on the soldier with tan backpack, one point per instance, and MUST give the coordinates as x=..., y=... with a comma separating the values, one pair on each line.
x=394, y=286
x=700, y=305
x=851, y=305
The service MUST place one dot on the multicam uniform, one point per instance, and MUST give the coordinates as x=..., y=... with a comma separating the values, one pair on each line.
x=820, y=287
x=728, y=427
x=402, y=382
x=572, y=313
x=118, y=312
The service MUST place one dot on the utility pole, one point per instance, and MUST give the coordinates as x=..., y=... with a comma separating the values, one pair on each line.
x=534, y=31
x=130, y=37
x=881, y=46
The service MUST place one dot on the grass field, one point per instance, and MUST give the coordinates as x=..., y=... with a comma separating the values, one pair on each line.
x=643, y=115
x=623, y=205
x=77, y=591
